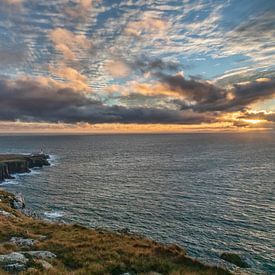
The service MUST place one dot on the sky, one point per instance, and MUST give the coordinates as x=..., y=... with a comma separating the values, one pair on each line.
x=97, y=66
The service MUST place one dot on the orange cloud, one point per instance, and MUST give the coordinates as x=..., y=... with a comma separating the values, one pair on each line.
x=147, y=89
x=12, y=2
x=106, y=128
x=117, y=68
x=67, y=42
x=85, y=3
x=76, y=80
x=81, y=9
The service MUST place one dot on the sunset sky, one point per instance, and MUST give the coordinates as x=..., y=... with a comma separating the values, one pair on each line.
x=137, y=66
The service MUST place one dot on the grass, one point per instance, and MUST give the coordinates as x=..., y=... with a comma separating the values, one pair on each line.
x=7, y=157
x=81, y=250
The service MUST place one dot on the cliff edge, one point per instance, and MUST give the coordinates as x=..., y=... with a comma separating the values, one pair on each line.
x=15, y=164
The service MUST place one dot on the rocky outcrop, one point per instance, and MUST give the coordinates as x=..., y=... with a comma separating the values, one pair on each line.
x=39, y=254
x=19, y=261
x=13, y=262
x=234, y=259
x=14, y=201
x=6, y=214
x=22, y=241
x=13, y=164
x=18, y=202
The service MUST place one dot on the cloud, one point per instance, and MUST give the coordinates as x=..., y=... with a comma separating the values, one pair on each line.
x=265, y=116
x=37, y=100
x=75, y=80
x=202, y=96
x=79, y=9
x=69, y=43
x=146, y=64
x=11, y=7
x=117, y=68
x=11, y=57
x=254, y=38
x=138, y=51
x=11, y=2
x=45, y=100
x=148, y=25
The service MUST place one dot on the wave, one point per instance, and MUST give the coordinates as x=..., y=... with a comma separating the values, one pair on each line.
x=54, y=214
x=53, y=160
x=10, y=182
x=16, y=179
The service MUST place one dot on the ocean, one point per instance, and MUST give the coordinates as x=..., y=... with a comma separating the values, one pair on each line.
x=206, y=192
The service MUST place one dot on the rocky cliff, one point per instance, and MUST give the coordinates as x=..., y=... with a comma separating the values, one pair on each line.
x=13, y=164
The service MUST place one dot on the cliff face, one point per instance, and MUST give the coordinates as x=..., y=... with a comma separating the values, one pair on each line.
x=13, y=164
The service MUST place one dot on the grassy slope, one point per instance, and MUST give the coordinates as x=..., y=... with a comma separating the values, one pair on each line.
x=85, y=251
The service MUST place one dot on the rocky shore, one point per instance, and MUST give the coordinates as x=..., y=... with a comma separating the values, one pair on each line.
x=11, y=164
x=32, y=246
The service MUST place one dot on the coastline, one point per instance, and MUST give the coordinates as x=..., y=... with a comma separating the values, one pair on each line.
x=11, y=164
x=75, y=249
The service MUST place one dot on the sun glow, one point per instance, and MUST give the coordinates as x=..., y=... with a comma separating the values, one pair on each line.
x=253, y=121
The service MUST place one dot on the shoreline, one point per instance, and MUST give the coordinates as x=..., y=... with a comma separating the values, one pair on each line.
x=12, y=208
x=75, y=249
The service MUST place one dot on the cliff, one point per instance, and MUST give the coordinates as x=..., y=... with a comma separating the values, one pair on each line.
x=32, y=246
x=13, y=164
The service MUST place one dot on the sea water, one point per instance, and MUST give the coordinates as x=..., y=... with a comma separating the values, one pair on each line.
x=206, y=192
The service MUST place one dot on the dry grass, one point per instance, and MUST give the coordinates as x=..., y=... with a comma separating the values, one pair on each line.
x=85, y=251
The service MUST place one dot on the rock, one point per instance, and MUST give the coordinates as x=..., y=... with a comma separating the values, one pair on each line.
x=13, y=258
x=22, y=241
x=234, y=259
x=38, y=160
x=39, y=254
x=42, y=237
x=45, y=264
x=6, y=214
x=12, y=164
x=15, y=267
x=18, y=202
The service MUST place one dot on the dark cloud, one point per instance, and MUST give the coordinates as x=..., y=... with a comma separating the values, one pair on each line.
x=145, y=64
x=32, y=101
x=193, y=90
x=259, y=116
x=202, y=96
